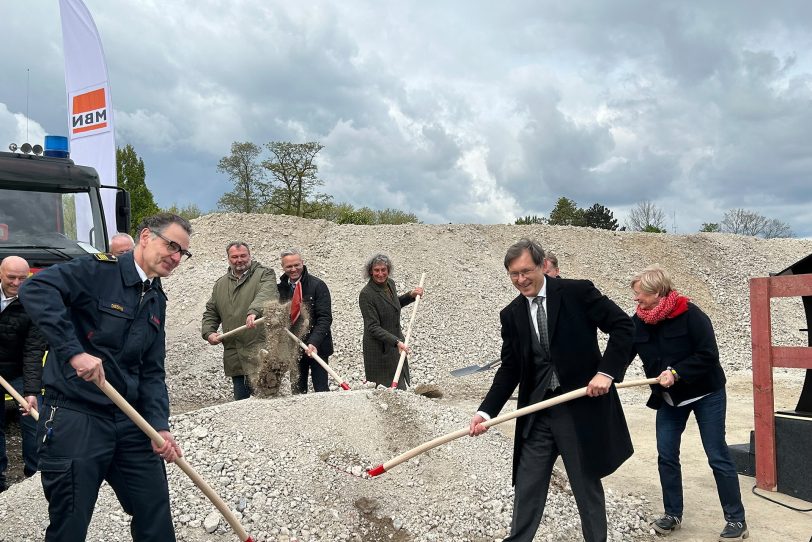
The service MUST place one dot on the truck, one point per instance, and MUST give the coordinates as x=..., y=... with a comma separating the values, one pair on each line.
x=39, y=198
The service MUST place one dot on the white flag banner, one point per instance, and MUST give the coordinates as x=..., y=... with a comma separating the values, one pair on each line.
x=90, y=112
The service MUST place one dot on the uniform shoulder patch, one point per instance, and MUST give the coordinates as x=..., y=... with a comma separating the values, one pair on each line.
x=105, y=257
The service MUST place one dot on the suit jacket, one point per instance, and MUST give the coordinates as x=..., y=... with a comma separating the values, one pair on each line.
x=575, y=312
x=316, y=296
x=381, y=313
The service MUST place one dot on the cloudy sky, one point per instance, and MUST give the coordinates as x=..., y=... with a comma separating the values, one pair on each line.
x=458, y=111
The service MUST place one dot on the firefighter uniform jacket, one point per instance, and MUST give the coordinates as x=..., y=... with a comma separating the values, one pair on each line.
x=95, y=305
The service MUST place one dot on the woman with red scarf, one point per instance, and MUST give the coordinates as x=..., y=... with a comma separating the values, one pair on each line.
x=676, y=342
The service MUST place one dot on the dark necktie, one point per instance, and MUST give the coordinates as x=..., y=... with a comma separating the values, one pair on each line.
x=543, y=336
x=145, y=286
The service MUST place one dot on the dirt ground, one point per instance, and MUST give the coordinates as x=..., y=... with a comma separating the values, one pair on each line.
x=703, y=518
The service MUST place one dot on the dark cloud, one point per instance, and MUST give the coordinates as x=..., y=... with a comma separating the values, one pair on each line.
x=460, y=111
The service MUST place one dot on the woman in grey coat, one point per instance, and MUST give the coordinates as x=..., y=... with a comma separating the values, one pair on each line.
x=380, y=308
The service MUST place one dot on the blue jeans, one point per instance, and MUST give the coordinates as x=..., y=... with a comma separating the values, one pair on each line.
x=710, y=416
x=28, y=428
x=242, y=387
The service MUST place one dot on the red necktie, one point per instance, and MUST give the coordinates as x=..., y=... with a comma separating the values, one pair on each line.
x=296, y=303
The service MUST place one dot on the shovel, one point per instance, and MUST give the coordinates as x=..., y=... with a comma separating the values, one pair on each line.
x=19, y=398
x=155, y=437
x=330, y=371
x=448, y=437
x=475, y=368
x=402, y=358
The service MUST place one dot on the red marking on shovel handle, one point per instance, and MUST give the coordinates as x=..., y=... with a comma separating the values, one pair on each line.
x=377, y=471
x=345, y=386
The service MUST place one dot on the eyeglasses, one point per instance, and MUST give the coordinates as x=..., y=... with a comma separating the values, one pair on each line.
x=173, y=247
x=523, y=273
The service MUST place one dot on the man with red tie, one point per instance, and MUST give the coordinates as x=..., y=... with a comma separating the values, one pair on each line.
x=237, y=299
x=300, y=287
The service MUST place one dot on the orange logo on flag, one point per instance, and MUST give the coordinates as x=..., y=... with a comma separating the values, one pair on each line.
x=89, y=111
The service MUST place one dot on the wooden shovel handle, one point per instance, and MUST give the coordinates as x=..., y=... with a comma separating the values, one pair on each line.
x=155, y=437
x=408, y=336
x=19, y=398
x=330, y=371
x=574, y=394
x=239, y=329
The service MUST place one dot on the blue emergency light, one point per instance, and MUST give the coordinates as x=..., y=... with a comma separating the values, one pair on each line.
x=56, y=146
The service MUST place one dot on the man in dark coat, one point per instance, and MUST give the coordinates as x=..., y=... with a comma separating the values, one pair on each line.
x=104, y=318
x=547, y=356
x=21, y=349
x=316, y=297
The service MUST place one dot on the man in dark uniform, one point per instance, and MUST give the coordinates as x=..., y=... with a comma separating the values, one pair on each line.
x=315, y=295
x=104, y=318
x=550, y=347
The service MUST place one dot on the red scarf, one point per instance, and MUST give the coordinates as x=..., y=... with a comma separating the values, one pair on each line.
x=669, y=306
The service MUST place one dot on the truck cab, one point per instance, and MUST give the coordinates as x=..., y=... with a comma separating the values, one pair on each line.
x=40, y=197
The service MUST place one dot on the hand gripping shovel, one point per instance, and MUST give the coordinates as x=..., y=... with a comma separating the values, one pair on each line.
x=198, y=480
x=408, y=336
x=239, y=329
x=574, y=394
x=330, y=371
x=19, y=398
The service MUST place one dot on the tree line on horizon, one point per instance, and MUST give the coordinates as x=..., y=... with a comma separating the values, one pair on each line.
x=286, y=182
x=645, y=216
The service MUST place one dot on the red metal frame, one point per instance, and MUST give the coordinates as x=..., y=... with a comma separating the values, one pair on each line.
x=765, y=357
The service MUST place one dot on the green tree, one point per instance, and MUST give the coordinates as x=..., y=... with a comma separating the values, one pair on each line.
x=294, y=174
x=566, y=213
x=710, y=227
x=395, y=216
x=649, y=228
x=599, y=216
x=528, y=220
x=245, y=171
x=188, y=212
x=131, y=176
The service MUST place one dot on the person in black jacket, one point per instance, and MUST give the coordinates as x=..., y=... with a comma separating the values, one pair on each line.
x=104, y=318
x=315, y=295
x=21, y=349
x=676, y=342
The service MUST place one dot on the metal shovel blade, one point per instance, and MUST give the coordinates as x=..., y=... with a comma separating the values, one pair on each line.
x=475, y=368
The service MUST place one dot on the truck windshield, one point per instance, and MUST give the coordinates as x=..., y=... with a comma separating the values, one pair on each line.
x=49, y=220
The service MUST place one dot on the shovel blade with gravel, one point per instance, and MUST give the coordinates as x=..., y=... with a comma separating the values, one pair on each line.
x=425, y=447
x=471, y=369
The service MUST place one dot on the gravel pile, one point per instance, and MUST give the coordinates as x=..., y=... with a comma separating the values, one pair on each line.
x=287, y=464
x=457, y=322
x=293, y=469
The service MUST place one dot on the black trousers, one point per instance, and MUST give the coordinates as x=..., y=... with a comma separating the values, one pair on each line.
x=319, y=374
x=553, y=433
x=79, y=452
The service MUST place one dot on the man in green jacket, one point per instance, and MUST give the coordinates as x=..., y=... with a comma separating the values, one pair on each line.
x=237, y=299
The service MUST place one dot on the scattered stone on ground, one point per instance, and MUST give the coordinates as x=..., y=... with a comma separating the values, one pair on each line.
x=293, y=468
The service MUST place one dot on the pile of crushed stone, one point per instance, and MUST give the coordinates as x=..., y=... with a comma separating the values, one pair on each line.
x=293, y=470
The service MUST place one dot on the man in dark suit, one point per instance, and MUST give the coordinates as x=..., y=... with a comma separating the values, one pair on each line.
x=314, y=294
x=549, y=347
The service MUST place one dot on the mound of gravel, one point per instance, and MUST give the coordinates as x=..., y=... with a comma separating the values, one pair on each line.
x=289, y=465
x=457, y=322
x=291, y=469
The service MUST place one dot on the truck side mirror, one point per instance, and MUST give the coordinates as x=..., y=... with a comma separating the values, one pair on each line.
x=123, y=211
